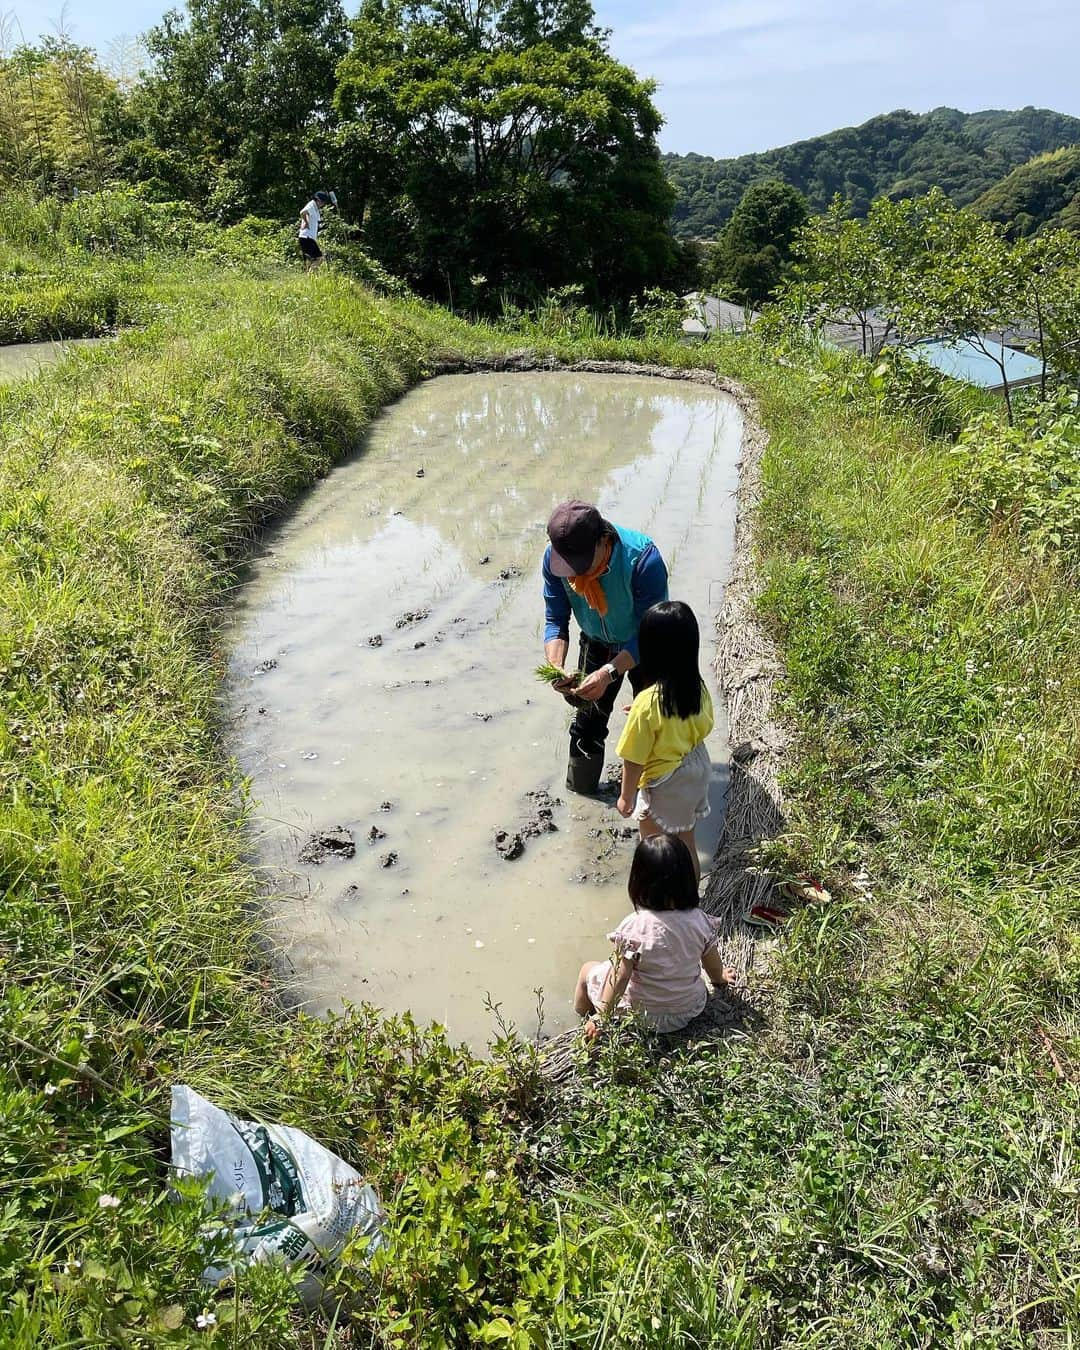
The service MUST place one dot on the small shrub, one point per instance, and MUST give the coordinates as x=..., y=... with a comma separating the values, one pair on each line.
x=895, y=383
x=561, y=315
x=657, y=314
x=1026, y=476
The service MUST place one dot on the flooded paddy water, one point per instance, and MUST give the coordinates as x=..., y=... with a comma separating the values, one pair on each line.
x=382, y=661
x=26, y=358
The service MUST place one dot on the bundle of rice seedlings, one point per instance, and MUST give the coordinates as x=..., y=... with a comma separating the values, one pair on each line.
x=552, y=674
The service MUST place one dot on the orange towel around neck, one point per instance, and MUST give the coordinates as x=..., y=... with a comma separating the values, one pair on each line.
x=588, y=584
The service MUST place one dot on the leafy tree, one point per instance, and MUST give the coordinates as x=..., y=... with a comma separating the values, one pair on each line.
x=237, y=108
x=925, y=268
x=840, y=275
x=494, y=148
x=1049, y=268
x=970, y=286
x=754, y=252
x=54, y=98
x=864, y=273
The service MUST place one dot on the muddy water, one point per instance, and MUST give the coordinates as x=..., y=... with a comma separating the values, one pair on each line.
x=342, y=702
x=27, y=358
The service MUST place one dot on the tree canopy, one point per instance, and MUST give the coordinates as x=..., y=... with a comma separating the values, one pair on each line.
x=924, y=268
x=496, y=147
x=754, y=251
x=237, y=110
x=1041, y=195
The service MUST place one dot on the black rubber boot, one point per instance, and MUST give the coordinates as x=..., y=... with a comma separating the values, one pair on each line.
x=583, y=773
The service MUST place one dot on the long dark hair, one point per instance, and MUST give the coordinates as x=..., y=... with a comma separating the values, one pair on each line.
x=662, y=874
x=668, y=646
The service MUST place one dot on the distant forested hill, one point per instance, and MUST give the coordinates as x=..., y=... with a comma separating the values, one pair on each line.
x=1043, y=194
x=899, y=154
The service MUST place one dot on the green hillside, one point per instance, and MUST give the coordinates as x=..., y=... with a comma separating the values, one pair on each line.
x=899, y=154
x=1043, y=194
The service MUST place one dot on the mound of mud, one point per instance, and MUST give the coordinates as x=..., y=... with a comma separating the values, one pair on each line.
x=323, y=844
x=539, y=819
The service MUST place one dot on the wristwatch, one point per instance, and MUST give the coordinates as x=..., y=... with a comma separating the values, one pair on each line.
x=612, y=670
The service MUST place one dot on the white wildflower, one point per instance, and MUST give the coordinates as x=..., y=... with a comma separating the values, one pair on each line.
x=205, y=1321
x=50, y=1088
x=108, y=1202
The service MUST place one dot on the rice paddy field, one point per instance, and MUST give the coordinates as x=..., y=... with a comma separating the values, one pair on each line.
x=884, y=1154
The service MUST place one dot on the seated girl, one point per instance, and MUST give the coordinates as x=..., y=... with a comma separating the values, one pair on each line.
x=660, y=949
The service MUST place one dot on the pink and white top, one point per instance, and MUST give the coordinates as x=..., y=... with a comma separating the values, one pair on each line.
x=665, y=948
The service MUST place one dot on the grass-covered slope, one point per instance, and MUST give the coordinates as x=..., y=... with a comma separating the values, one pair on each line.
x=891, y=1159
x=128, y=951
x=888, y=1159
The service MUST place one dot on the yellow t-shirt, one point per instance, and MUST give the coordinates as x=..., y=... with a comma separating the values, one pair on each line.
x=661, y=743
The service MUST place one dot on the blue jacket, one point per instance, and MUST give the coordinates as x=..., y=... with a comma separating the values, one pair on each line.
x=636, y=579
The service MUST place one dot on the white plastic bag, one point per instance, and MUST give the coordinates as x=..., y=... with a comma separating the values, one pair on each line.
x=292, y=1200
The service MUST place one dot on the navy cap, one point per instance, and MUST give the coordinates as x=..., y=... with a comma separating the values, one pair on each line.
x=575, y=529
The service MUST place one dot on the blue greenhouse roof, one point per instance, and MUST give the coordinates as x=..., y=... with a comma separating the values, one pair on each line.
x=964, y=361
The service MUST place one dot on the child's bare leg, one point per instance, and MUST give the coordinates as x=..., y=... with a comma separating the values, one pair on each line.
x=687, y=836
x=647, y=828
x=582, y=1002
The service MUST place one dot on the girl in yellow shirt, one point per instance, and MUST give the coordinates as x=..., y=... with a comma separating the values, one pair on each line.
x=666, y=766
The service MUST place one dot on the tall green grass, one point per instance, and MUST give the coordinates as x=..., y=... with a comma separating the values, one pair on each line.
x=114, y=259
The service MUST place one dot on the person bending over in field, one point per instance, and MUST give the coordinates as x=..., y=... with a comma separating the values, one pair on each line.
x=659, y=950
x=310, y=220
x=666, y=765
x=604, y=576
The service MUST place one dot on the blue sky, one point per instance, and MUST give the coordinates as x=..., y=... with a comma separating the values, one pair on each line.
x=740, y=75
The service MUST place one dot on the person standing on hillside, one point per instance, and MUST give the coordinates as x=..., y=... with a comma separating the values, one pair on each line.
x=606, y=576
x=310, y=220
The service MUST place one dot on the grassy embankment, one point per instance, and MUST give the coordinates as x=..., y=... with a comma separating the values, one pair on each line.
x=894, y=1160
x=890, y=1161
x=129, y=481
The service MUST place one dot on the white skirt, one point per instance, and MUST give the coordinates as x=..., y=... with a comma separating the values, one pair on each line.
x=680, y=799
